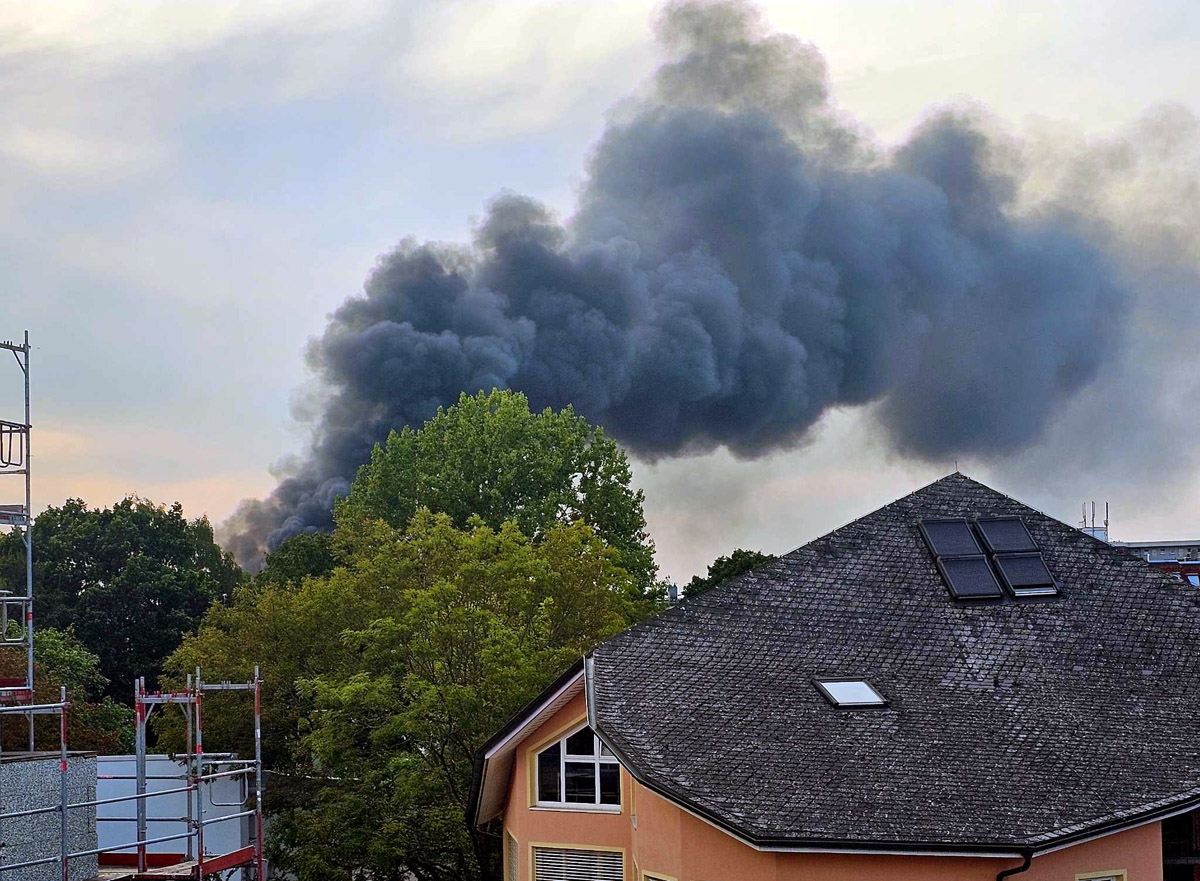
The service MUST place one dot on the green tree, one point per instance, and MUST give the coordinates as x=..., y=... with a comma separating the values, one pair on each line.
x=723, y=568
x=130, y=580
x=60, y=660
x=69, y=661
x=490, y=456
x=301, y=556
x=385, y=676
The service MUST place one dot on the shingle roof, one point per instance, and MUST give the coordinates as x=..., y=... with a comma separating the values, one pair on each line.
x=1011, y=725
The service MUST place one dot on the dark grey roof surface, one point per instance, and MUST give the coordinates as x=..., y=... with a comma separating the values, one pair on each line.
x=1018, y=724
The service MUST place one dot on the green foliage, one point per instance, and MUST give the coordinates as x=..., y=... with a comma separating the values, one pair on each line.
x=301, y=556
x=724, y=568
x=131, y=580
x=474, y=559
x=293, y=633
x=386, y=676
x=69, y=661
x=106, y=727
x=489, y=456
x=60, y=660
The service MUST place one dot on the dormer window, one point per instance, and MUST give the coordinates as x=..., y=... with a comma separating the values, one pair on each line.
x=578, y=772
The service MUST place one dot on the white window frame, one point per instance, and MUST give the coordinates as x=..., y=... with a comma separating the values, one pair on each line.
x=599, y=758
x=1110, y=875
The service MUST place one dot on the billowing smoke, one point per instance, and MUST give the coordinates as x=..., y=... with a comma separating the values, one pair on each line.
x=742, y=259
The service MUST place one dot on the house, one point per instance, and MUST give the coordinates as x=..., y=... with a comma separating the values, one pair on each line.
x=955, y=686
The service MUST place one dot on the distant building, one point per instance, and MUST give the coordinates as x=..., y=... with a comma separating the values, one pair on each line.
x=1179, y=557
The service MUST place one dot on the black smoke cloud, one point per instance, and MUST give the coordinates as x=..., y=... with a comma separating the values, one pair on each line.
x=742, y=259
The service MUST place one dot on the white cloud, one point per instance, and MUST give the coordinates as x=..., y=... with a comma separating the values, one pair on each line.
x=65, y=152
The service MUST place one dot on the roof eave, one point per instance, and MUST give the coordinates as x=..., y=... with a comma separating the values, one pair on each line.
x=512, y=728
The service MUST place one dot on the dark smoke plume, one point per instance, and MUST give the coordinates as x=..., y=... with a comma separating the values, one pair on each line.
x=742, y=259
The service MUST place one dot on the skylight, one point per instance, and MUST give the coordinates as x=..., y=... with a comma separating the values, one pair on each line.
x=850, y=693
x=969, y=578
x=1006, y=535
x=974, y=571
x=950, y=538
x=1026, y=574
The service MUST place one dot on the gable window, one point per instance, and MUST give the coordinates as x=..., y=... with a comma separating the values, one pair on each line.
x=578, y=771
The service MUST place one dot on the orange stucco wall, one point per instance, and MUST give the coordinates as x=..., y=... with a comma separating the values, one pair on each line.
x=658, y=837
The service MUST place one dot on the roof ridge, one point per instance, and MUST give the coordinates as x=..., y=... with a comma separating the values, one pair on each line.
x=884, y=507
x=736, y=580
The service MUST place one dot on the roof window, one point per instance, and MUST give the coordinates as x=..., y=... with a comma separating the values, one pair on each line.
x=1008, y=555
x=1006, y=535
x=850, y=693
x=969, y=578
x=950, y=538
x=1026, y=575
x=960, y=559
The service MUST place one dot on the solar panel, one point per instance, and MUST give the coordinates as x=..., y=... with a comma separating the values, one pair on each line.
x=950, y=538
x=969, y=578
x=1006, y=535
x=1026, y=574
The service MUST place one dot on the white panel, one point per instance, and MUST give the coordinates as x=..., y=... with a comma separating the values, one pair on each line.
x=558, y=864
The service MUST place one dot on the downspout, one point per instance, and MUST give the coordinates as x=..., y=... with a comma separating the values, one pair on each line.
x=1027, y=858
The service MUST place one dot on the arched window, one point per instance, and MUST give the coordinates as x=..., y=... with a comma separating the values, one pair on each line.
x=578, y=771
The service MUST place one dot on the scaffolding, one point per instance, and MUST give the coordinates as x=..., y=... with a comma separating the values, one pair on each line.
x=15, y=460
x=199, y=774
x=200, y=769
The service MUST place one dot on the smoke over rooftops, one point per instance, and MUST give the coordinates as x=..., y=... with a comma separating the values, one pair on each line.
x=742, y=259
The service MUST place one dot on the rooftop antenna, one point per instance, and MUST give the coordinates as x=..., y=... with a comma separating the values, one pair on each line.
x=1088, y=524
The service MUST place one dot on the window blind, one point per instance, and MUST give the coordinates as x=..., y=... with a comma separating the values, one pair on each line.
x=561, y=864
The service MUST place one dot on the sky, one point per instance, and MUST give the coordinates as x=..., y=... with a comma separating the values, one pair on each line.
x=187, y=190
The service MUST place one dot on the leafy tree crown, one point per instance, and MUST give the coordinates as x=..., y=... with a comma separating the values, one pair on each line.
x=491, y=457
x=723, y=568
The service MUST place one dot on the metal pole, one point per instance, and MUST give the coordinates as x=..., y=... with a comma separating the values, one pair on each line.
x=64, y=834
x=199, y=786
x=258, y=782
x=139, y=712
x=28, y=541
x=189, y=759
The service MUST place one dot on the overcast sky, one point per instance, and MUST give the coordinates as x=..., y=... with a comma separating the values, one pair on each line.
x=187, y=189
